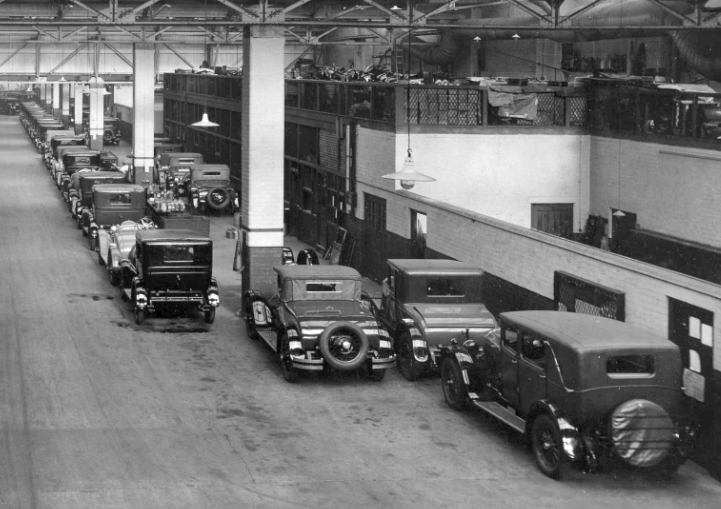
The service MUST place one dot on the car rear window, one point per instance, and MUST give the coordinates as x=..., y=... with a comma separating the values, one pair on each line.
x=445, y=287
x=120, y=198
x=630, y=366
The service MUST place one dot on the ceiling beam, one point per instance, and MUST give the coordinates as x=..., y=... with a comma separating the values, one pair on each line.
x=120, y=55
x=66, y=59
x=13, y=54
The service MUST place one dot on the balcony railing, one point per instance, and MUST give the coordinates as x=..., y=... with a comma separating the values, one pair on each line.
x=425, y=104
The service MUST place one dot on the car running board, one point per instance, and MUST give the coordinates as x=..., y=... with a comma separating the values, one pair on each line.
x=269, y=337
x=502, y=413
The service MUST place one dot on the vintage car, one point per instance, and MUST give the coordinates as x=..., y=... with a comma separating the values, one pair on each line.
x=81, y=189
x=427, y=303
x=58, y=167
x=318, y=320
x=113, y=204
x=167, y=269
x=45, y=149
x=586, y=389
x=59, y=141
x=111, y=130
x=174, y=170
x=115, y=243
x=208, y=186
x=88, y=160
x=41, y=128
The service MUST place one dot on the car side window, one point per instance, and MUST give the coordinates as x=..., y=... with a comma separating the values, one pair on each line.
x=509, y=338
x=532, y=349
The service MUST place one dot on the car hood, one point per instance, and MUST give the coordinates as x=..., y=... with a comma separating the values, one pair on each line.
x=442, y=322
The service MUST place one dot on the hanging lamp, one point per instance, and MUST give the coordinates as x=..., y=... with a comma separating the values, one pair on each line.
x=408, y=175
x=205, y=122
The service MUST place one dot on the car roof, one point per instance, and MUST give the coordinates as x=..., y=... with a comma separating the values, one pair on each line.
x=169, y=234
x=586, y=332
x=317, y=272
x=182, y=154
x=422, y=266
x=210, y=166
x=102, y=174
x=118, y=188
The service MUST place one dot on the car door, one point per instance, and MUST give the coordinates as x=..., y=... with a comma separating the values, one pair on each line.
x=531, y=371
x=508, y=363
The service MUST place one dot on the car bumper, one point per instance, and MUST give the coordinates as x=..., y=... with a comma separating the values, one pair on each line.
x=312, y=361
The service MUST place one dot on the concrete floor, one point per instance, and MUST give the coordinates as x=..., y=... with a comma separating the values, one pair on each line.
x=96, y=412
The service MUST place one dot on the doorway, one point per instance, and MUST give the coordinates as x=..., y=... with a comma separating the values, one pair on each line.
x=553, y=218
x=419, y=230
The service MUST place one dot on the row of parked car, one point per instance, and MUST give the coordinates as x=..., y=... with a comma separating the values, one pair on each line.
x=585, y=389
x=156, y=269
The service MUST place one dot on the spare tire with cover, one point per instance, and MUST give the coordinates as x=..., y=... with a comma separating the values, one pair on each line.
x=642, y=432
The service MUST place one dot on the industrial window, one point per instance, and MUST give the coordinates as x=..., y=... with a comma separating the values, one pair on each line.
x=375, y=212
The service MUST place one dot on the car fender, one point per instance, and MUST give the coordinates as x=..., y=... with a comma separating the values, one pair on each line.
x=103, y=244
x=572, y=440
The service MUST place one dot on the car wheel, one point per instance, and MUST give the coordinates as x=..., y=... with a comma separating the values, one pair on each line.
x=407, y=364
x=140, y=315
x=210, y=315
x=546, y=444
x=93, y=243
x=100, y=259
x=454, y=388
x=217, y=199
x=286, y=365
x=250, y=328
x=344, y=346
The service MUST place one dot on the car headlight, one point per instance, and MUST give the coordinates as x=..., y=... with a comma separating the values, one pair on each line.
x=420, y=350
x=213, y=299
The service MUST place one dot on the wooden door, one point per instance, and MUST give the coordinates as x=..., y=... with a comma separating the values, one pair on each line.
x=554, y=218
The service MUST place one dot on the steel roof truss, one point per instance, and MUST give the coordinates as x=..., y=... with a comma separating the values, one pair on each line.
x=67, y=58
x=285, y=10
x=99, y=14
x=120, y=55
x=133, y=11
x=241, y=10
x=672, y=12
x=530, y=11
x=13, y=54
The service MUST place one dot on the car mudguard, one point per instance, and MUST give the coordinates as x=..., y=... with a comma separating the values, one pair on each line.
x=572, y=441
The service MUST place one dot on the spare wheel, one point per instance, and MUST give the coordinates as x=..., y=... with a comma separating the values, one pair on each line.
x=218, y=198
x=344, y=346
x=642, y=432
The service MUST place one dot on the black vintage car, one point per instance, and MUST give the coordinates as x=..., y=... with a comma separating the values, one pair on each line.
x=113, y=204
x=585, y=389
x=81, y=189
x=169, y=269
x=111, y=130
x=318, y=320
x=76, y=161
x=209, y=187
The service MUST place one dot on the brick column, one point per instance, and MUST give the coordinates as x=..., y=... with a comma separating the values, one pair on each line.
x=262, y=162
x=143, y=112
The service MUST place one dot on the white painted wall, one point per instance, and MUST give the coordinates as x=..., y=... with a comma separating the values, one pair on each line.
x=498, y=175
x=673, y=190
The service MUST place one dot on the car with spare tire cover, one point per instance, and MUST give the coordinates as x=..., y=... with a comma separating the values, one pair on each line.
x=170, y=268
x=318, y=320
x=208, y=186
x=585, y=389
x=174, y=170
x=427, y=303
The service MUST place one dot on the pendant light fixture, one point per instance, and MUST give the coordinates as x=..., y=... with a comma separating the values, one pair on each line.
x=408, y=175
x=205, y=122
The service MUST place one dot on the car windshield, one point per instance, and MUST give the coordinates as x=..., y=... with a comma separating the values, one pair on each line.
x=180, y=254
x=322, y=289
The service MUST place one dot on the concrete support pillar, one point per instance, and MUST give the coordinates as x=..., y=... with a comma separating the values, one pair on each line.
x=44, y=95
x=78, y=108
x=65, y=103
x=56, y=99
x=97, y=112
x=262, y=161
x=143, y=112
